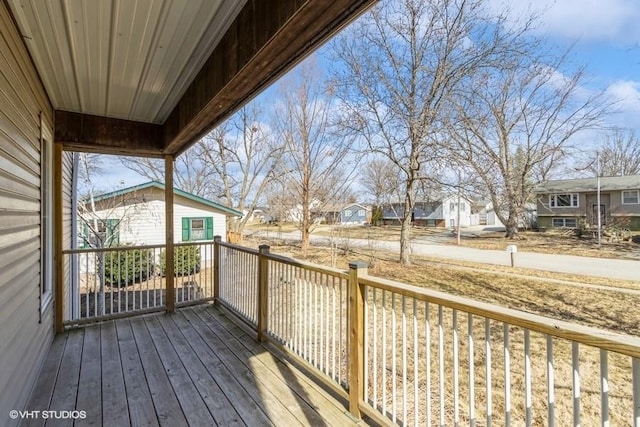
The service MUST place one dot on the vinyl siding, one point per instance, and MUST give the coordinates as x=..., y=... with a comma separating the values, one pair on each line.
x=67, y=213
x=23, y=341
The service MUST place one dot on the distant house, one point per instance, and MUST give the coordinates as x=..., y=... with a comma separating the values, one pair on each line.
x=355, y=214
x=438, y=213
x=568, y=202
x=483, y=213
x=137, y=215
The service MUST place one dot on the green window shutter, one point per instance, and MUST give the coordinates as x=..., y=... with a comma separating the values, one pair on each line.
x=209, y=227
x=186, y=229
x=113, y=232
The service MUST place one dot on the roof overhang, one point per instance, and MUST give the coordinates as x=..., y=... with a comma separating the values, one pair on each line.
x=150, y=78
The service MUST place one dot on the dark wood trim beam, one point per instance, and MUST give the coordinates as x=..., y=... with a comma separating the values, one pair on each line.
x=266, y=39
x=84, y=132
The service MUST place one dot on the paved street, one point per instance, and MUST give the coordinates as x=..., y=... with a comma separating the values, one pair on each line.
x=599, y=267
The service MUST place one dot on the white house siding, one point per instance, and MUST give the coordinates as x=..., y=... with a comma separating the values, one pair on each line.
x=144, y=222
x=24, y=341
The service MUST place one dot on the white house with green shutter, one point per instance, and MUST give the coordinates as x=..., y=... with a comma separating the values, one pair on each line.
x=135, y=215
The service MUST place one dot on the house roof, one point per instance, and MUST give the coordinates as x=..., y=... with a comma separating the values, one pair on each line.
x=150, y=78
x=607, y=183
x=160, y=186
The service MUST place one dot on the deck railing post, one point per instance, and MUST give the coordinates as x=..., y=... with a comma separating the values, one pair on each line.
x=263, y=292
x=216, y=269
x=356, y=338
x=169, y=237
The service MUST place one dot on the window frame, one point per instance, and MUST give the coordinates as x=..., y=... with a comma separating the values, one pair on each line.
x=564, y=222
x=637, y=193
x=553, y=200
x=187, y=228
x=46, y=219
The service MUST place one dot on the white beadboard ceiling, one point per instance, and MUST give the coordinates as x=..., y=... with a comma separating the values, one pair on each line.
x=126, y=59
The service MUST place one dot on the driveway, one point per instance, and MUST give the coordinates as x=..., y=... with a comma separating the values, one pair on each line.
x=586, y=266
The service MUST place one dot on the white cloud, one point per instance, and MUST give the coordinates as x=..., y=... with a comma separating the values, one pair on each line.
x=626, y=94
x=596, y=20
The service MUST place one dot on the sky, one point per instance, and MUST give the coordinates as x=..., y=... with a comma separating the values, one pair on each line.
x=604, y=36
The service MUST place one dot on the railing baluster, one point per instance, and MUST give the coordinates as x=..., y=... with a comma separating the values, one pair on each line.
x=394, y=347
x=384, y=352
x=507, y=377
x=472, y=385
x=416, y=396
x=375, y=348
x=441, y=369
x=575, y=364
x=635, y=368
x=488, y=385
x=551, y=392
x=456, y=374
x=334, y=373
x=404, y=360
x=427, y=345
x=604, y=387
x=528, y=399
x=366, y=344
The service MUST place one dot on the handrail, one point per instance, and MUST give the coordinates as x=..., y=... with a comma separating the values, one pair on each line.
x=238, y=248
x=132, y=247
x=308, y=265
x=610, y=341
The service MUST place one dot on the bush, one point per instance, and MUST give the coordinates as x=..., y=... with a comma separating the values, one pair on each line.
x=124, y=268
x=186, y=261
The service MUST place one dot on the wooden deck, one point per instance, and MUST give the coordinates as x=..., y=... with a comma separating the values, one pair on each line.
x=194, y=367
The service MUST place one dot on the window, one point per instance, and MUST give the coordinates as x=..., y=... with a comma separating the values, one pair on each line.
x=347, y=213
x=197, y=229
x=452, y=207
x=361, y=213
x=565, y=222
x=569, y=200
x=631, y=197
x=46, y=219
x=463, y=206
x=106, y=233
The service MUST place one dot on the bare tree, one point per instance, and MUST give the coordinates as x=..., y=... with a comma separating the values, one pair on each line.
x=399, y=67
x=190, y=173
x=233, y=163
x=314, y=165
x=515, y=122
x=619, y=154
x=242, y=155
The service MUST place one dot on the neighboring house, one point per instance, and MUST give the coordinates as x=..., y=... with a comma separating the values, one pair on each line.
x=569, y=202
x=354, y=214
x=137, y=215
x=483, y=213
x=438, y=213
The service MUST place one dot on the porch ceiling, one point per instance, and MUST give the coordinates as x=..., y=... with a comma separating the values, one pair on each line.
x=183, y=65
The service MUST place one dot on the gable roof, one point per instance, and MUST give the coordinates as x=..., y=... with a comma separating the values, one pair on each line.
x=160, y=186
x=607, y=183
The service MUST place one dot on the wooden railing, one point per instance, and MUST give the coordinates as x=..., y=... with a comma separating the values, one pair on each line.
x=408, y=355
x=129, y=280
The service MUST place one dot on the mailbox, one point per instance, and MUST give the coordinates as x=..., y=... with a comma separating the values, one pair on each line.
x=512, y=249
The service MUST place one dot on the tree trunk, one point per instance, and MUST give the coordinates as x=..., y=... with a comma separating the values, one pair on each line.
x=511, y=227
x=405, y=237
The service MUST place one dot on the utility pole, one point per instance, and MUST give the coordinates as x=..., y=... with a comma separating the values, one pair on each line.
x=598, y=198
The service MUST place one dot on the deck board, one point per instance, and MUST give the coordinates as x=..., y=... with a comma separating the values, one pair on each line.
x=141, y=410
x=192, y=367
x=115, y=408
x=90, y=385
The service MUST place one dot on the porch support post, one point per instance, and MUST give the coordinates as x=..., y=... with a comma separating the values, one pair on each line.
x=263, y=292
x=168, y=209
x=356, y=338
x=216, y=269
x=57, y=240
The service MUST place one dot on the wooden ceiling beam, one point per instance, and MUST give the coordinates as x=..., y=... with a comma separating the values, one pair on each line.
x=265, y=40
x=87, y=133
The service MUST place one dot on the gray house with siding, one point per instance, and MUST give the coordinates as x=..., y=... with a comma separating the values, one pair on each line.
x=438, y=213
x=568, y=203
